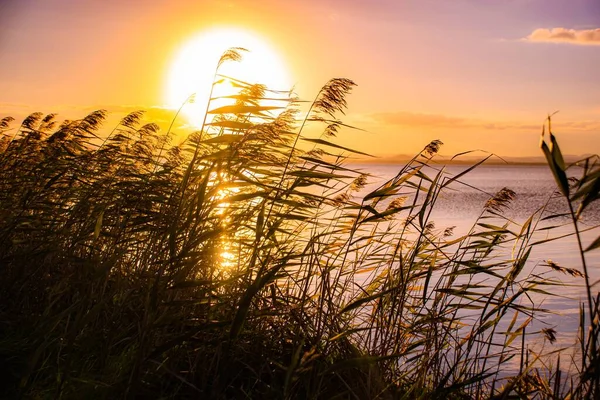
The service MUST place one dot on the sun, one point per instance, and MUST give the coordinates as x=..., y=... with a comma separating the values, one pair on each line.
x=193, y=69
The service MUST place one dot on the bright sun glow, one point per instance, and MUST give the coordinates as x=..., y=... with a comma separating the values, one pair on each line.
x=193, y=69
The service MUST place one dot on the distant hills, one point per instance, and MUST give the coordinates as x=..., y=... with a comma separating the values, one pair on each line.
x=466, y=159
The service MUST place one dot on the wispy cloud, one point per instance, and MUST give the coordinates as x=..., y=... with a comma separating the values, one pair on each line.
x=433, y=121
x=564, y=35
x=419, y=119
x=440, y=121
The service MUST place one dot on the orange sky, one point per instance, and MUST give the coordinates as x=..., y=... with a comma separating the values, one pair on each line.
x=477, y=75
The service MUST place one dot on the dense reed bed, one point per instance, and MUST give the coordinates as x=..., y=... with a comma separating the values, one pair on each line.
x=242, y=263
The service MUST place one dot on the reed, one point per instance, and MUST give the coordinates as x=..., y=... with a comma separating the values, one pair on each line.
x=249, y=262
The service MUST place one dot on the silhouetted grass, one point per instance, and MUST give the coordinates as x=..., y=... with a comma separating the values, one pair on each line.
x=242, y=263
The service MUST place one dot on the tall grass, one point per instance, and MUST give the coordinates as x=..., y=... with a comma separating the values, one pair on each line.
x=248, y=262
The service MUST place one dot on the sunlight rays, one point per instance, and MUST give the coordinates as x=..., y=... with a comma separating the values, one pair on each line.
x=193, y=69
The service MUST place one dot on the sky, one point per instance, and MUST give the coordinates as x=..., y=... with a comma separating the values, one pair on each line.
x=476, y=74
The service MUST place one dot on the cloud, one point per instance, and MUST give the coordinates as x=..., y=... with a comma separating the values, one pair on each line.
x=564, y=35
x=432, y=121
x=440, y=121
x=418, y=119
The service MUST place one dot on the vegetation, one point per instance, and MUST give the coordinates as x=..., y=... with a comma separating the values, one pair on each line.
x=243, y=264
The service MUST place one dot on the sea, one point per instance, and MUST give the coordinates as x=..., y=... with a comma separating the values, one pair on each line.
x=461, y=204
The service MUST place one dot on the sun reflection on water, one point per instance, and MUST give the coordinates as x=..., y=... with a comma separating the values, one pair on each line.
x=227, y=257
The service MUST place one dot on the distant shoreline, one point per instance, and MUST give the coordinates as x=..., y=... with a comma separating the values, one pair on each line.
x=516, y=161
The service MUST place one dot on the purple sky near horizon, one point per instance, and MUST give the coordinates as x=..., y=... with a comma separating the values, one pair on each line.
x=461, y=71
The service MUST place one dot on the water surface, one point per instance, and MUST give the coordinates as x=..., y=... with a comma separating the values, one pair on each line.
x=535, y=188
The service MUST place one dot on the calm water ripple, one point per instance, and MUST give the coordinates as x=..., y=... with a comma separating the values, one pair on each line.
x=534, y=186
